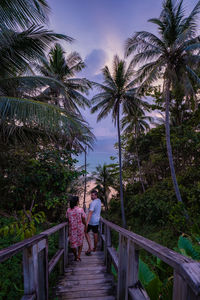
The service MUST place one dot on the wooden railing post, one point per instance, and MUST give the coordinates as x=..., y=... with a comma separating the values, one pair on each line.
x=30, y=270
x=179, y=288
x=132, y=266
x=105, y=245
x=62, y=246
x=42, y=251
x=100, y=235
x=108, y=244
x=66, y=245
x=121, y=284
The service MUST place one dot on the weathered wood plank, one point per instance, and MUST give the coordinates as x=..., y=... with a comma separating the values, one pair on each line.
x=18, y=247
x=55, y=259
x=96, y=298
x=54, y=229
x=179, y=288
x=138, y=294
x=132, y=266
x=30, y=270
x=29, y=297
x=114, y=256
x=121, y=282
x=104, y=291
x=191, y=273
x=169, y=256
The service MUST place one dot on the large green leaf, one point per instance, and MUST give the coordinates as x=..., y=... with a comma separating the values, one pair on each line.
x=145, y=274
x=186, y=248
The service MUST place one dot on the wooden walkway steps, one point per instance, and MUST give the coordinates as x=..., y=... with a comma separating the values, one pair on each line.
x=87, y=279
x=91, y=278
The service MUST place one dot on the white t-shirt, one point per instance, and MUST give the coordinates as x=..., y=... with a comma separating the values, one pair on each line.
x=95, y=207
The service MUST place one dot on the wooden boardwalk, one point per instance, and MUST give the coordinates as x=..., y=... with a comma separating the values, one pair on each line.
x=87, y=279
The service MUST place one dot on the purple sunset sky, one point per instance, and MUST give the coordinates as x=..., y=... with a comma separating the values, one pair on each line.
x=100, y=29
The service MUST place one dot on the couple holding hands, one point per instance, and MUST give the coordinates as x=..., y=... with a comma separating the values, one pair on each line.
x=80, y=224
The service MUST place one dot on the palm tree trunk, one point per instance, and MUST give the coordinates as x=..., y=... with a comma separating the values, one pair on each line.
x=85, y=181
x=139, y=168
x=169, y=148
x=120, y=172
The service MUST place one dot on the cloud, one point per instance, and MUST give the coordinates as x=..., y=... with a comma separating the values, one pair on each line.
x=94, y=61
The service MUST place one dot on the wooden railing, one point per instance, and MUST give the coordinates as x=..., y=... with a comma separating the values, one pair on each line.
x=186, y=281
x=36, y=267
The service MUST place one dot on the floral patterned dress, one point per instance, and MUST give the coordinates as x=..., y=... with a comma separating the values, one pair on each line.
x=76, y=227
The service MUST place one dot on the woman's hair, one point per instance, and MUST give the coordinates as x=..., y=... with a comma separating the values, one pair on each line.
x=73, y=201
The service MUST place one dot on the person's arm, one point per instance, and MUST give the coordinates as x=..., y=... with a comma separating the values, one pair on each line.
x=89, y=217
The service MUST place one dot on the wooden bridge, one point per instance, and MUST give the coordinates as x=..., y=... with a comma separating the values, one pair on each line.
x=91, y=278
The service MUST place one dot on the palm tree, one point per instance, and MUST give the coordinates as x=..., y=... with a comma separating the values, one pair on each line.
x=135, y=122
x=116, y=92
x=17, y=13
x=172, y=55
x=64, y=69
x=104, y=180
x=21, y=44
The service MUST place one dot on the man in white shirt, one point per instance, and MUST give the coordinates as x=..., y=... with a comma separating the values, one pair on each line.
x=93, y=221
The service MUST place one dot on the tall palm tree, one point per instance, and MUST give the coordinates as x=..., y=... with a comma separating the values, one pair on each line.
x=116, y=92
x=172, y=54
x=135, y=122
x=104, y=181
x=64, y=68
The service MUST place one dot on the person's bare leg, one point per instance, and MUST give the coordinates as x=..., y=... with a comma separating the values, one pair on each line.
x=89, y=242
x=79, y=251
x=95, y=241
x=74, y=252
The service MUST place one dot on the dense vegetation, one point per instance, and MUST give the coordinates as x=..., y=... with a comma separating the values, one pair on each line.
x=42, y=129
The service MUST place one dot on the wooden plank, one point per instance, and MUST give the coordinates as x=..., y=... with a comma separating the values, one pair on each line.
x=96, y=292
x=97, y=298
x=42, y=285
x=94, y=269
x=114, y=256
x=66, y=254
x=30, y=270
x=18, y=247
x=103, y=237
x=29, y=297
x=179, y=288
x=54, y=229
x=169, y=256
x=191, y=273
x=109, y=244
x=138, y=294
x=83, y=287
x=121, y=282
x=80, y=276
x=62, y=246
x=55, y=259
x=132, y=266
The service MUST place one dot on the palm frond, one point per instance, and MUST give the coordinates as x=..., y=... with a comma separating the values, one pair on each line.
x=15, y=13
x=18, y=49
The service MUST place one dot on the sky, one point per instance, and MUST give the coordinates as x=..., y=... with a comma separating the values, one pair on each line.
x=100, y=29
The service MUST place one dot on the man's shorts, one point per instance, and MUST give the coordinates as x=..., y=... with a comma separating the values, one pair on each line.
x=94, y=228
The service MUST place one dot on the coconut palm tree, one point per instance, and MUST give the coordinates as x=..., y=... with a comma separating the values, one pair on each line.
x=116, y=93
x=104, y=180
x=64, y=68
x=172, y=55
x=135, y=122
x=21, y=44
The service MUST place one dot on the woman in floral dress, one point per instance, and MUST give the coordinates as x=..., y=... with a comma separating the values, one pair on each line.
x=77, y=220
